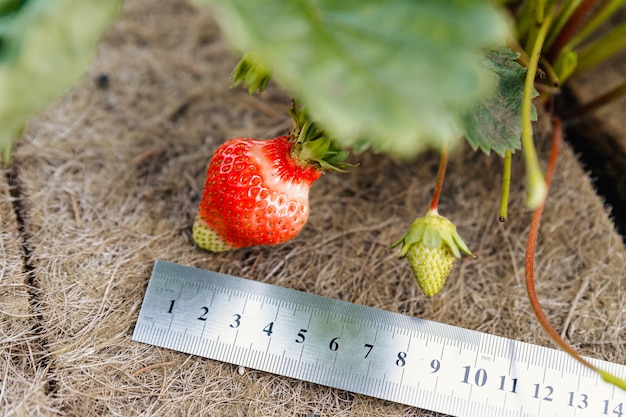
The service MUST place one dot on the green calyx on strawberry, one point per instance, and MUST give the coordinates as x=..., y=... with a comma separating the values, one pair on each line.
x=312, y=146
x=257, y=191
x=432, y=246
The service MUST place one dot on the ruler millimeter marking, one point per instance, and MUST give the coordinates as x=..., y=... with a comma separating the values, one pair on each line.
x=366, y=350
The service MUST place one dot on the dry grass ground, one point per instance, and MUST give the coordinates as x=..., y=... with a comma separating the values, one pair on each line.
x=109, y=179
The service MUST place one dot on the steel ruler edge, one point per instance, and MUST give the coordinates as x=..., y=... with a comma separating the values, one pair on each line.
x=365, y=350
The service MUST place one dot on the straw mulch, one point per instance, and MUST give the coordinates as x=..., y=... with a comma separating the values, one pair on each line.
x=23, y=363
x=109, y=178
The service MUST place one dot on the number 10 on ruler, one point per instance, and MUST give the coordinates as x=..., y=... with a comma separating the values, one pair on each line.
x=347, y=348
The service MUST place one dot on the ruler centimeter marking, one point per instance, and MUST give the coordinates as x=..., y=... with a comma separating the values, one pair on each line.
x=365, y=350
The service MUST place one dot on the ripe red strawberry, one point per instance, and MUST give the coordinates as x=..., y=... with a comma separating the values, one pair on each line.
x=257, y=191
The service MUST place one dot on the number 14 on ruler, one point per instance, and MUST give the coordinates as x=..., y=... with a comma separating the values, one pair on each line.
x=365, y=350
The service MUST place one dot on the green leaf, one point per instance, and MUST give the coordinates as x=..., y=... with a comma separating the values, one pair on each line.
x=45, y=47
x=494, y=123
x=10, y=6
x=252, y=72
x=392, y=75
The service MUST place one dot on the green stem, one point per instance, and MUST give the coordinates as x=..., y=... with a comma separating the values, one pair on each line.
x=536, y=186
x=532, y=37
x=524, y=20
x=602, y=48
x=549, y=70
x=540, y=10
x=565, y=26
x=443, y=163
x=530, y=268
x=598, y=17
x=535, y=11
x=506, y=186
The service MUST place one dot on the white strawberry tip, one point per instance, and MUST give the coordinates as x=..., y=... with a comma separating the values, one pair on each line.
x=207, y=239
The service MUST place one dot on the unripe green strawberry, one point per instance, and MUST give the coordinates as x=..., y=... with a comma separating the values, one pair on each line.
x=432, y=245
x=431, y=267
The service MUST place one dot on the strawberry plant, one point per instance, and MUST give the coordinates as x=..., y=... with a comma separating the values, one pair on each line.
x=407, y=76
x=396, y=77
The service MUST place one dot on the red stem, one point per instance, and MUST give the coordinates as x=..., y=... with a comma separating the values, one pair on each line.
x=569, y=29
x=443, y=162
x=530, y=253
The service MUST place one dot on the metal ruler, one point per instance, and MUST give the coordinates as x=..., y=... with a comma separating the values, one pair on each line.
x=365, y=350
